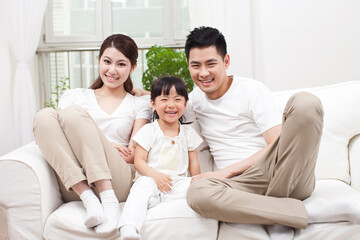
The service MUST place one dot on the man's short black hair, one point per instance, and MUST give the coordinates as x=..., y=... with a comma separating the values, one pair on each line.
x=205, y=37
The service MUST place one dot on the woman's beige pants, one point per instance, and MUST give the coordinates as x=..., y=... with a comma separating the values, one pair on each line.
x=270, y=191
x=78, y=150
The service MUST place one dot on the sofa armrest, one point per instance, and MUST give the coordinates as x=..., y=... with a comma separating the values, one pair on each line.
x=354, y=160
x=29, y=191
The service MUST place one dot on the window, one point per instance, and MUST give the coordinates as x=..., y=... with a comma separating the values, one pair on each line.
x=75, y=29
x=149, y=22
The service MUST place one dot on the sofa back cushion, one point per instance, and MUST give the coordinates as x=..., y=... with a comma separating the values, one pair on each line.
x=341, y=124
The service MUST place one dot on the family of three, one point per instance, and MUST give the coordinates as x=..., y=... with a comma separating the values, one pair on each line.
x=104, y=150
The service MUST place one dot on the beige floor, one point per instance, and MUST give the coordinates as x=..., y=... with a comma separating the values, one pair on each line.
x=3, y=226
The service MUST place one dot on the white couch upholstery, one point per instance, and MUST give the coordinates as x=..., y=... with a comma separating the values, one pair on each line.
x=30, y=196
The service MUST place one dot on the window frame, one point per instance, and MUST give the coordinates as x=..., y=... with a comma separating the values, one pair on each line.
x=172, y=34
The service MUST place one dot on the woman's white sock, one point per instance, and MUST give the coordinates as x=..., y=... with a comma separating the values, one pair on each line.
x=112, y=213
x=321, y=210
x=128, y=232
x=94, y=209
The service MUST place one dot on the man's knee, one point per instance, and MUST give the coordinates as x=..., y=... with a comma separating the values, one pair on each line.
x=306, y=107
x=199, y=195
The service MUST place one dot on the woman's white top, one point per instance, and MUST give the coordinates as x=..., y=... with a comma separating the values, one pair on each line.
x=117, y=126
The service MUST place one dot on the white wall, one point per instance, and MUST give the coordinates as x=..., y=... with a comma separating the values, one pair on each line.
x=287, y=43
x=304, y=43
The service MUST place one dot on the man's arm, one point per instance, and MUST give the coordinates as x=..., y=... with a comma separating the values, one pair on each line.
x=238, y=168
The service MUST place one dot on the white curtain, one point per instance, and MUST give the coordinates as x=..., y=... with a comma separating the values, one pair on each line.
x=6, y=129
x=234, y=19
x=23, y=28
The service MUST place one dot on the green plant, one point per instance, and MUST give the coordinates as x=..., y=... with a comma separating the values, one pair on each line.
x=163, y=61
x=60, y=88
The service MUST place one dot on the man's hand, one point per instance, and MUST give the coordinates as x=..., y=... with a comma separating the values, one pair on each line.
x=140, y=92
x=217, y=175
x=162, y=181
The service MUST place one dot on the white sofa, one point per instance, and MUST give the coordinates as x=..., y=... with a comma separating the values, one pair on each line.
x=30, y=196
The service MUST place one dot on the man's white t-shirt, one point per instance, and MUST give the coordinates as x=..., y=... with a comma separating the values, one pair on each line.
x=117, y=126
x=234, y=123
x=165, y=154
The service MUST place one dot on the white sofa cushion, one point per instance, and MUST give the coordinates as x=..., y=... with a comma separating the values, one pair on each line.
x=168, y=220
x=341, y=123
x=242, y=231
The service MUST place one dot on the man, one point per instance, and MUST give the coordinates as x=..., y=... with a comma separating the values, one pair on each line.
x=265, y=169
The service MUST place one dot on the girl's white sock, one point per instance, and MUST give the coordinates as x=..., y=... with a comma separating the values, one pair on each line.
x=280, y=232
x=128, y=232
x=94, y=209
x=111, y=211
x=322, y=210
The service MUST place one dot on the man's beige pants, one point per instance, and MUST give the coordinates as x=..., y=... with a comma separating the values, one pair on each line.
x=271, y=191
x=77, y=150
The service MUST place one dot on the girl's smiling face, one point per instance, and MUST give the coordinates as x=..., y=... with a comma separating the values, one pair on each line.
x=114, y=68
x=169, y=107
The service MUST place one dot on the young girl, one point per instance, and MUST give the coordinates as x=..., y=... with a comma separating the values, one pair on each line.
x=164, y=155
x=87, y=140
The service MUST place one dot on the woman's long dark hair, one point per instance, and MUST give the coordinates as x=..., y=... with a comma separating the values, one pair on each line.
x=162, y=86
x=128, y=47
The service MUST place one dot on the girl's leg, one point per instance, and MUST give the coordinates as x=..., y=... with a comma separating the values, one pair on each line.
x=179, y=189
x=135, y=209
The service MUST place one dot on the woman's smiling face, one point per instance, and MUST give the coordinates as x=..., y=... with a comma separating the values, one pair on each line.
x=114, y=68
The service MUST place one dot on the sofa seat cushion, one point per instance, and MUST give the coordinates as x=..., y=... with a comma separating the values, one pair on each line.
x=168, y=220
x=329, y=231
x=229, y=231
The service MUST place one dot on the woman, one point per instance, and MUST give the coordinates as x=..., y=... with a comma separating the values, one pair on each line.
x=87, y=140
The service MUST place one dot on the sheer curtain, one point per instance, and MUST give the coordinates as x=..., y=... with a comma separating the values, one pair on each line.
x=234, y=18
x=6, y=137
x=23, y=28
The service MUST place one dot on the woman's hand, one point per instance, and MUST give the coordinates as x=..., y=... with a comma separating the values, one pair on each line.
x=123, y=150
x=126, y=153
x=162, y=180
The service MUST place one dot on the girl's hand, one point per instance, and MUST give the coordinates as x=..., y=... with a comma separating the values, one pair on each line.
x=162, y=180
x=123, y=151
